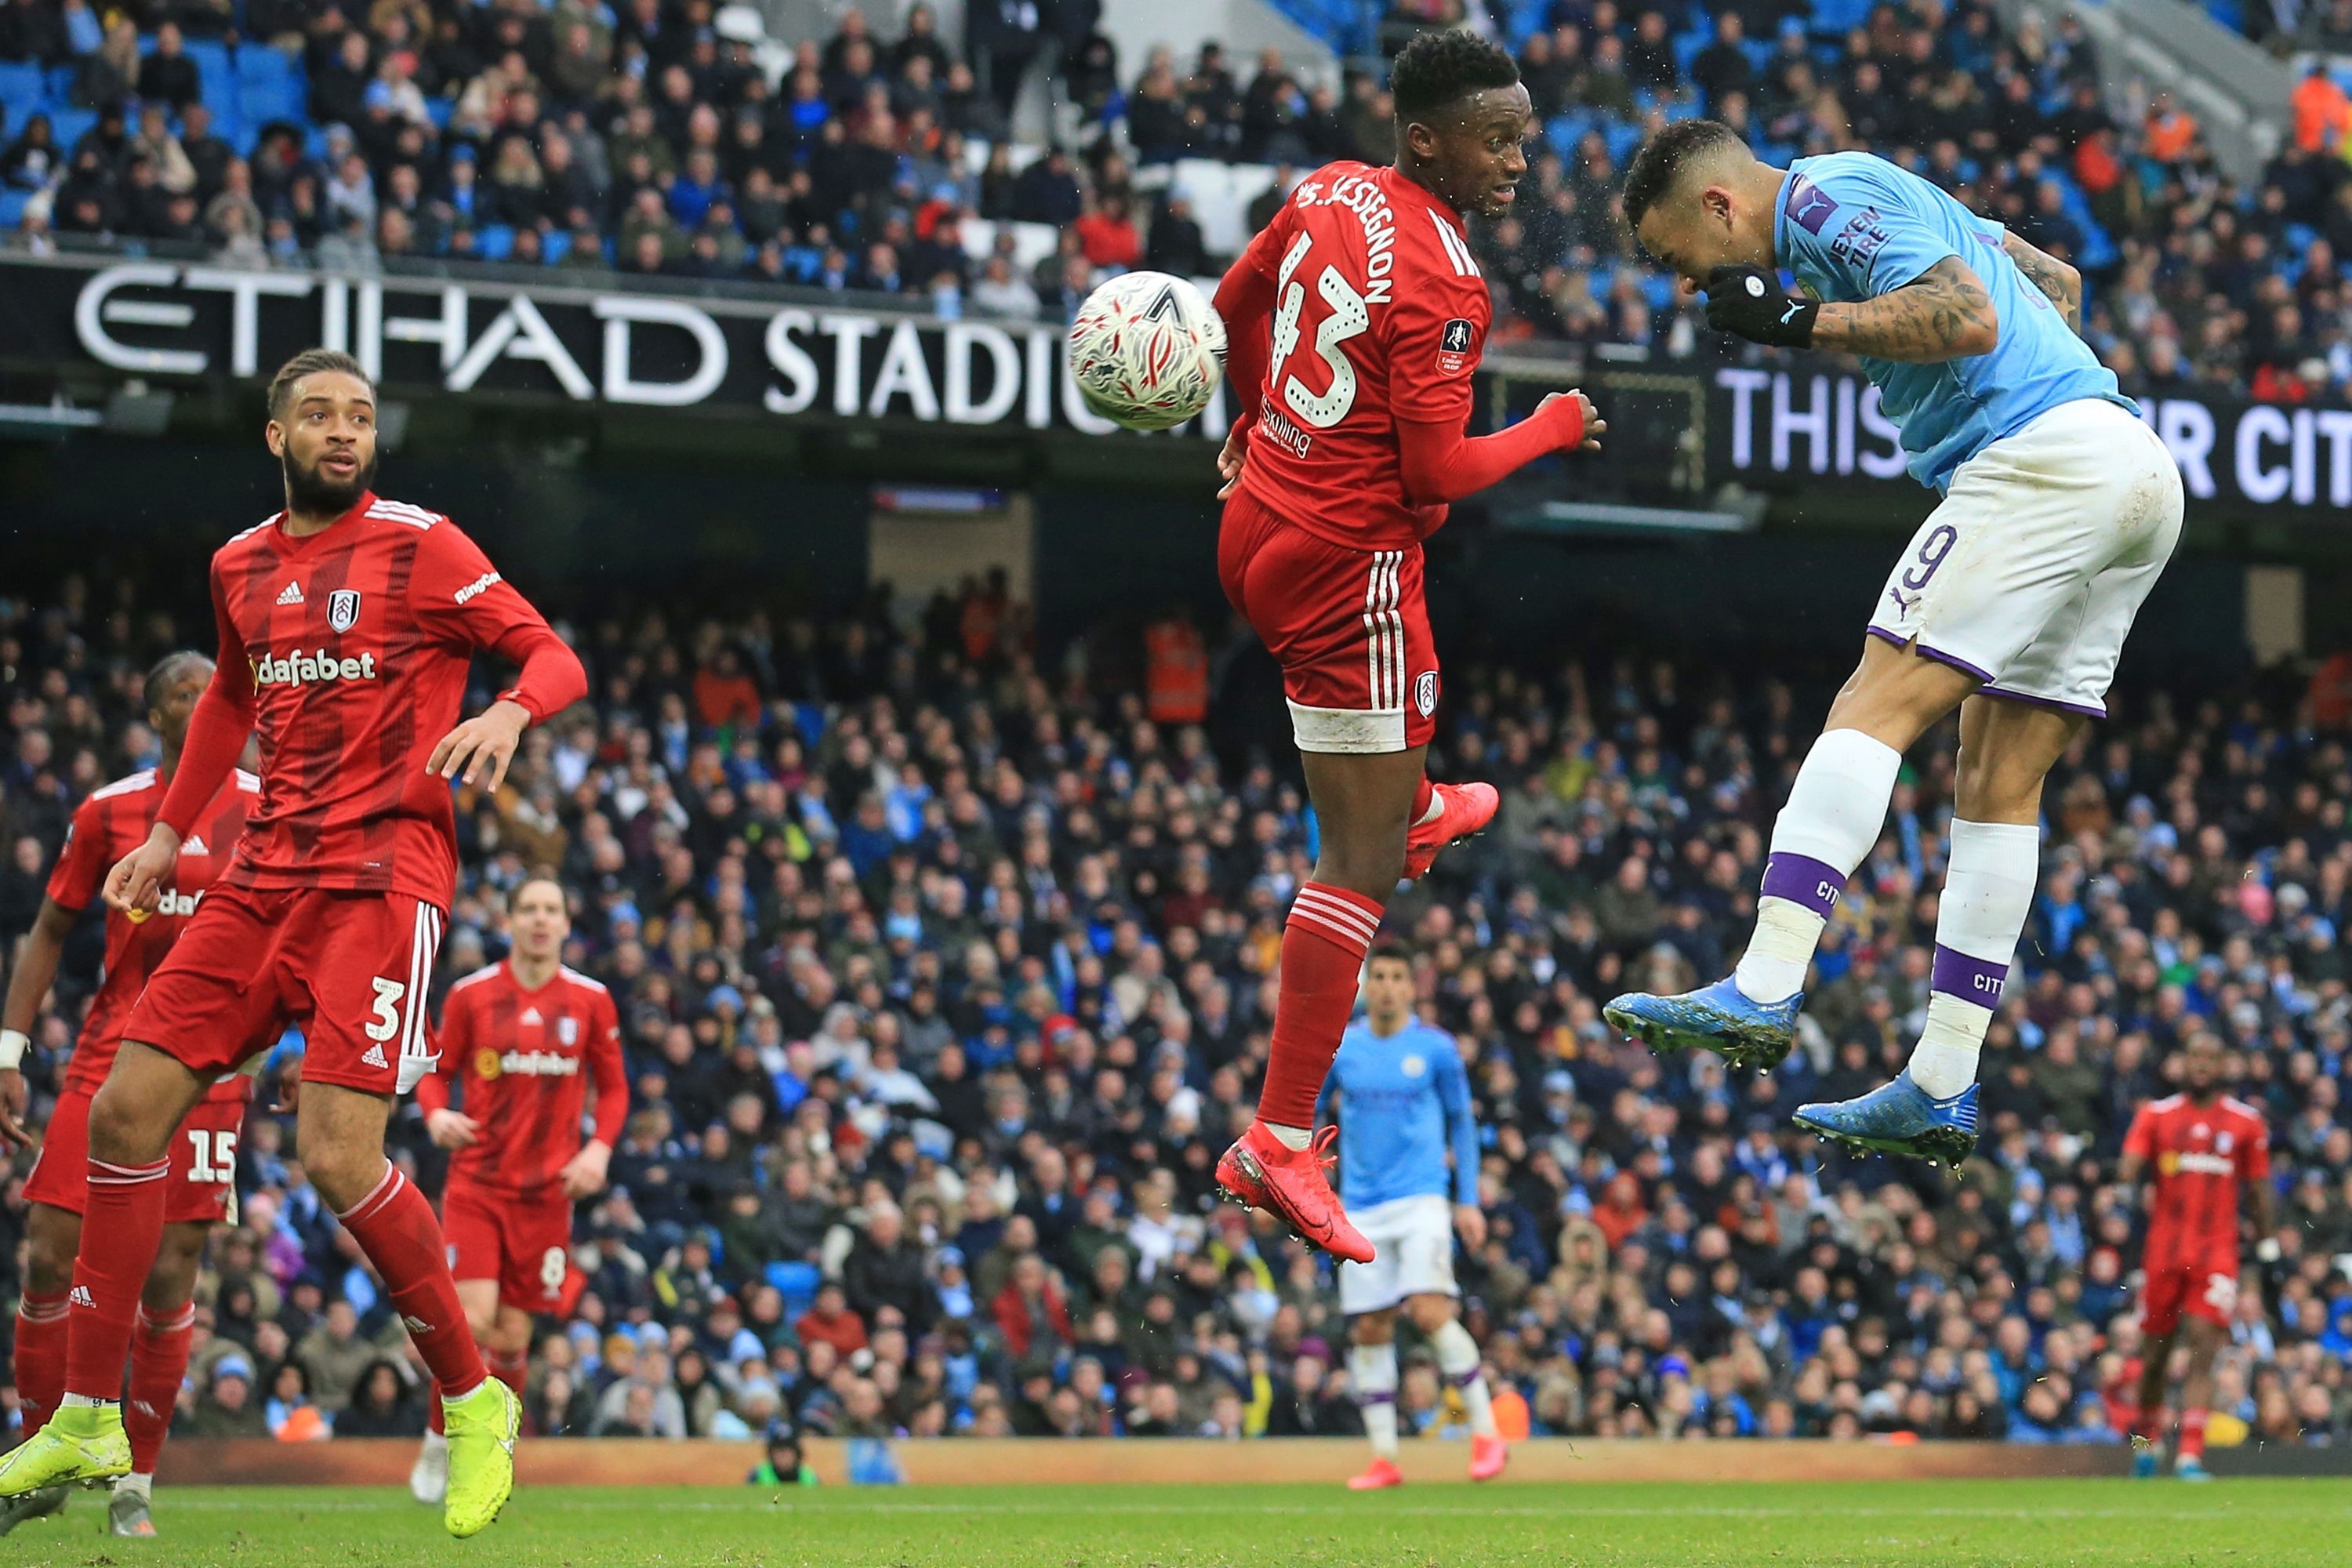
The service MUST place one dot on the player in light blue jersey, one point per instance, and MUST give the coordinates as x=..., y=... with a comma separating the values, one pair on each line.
x=2059, y=509
x=1407, y=1140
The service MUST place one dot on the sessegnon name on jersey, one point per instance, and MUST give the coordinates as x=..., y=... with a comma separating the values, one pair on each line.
x=300, y=668
x=539, y=1064
x=1365, y=198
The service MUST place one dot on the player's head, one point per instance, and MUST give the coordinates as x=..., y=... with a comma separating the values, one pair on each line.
x=1388, y=987
x=1462, y=120
x=2201, y=1061
x=173, y=687
x=538, y=919
x=1698, y=199
x=322, y=431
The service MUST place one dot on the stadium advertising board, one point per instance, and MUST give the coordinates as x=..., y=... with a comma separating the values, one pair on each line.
x=557, y=341
x=1776, y=429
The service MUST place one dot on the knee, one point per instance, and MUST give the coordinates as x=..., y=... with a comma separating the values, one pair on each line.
x=1374, y=1329
x=1990, y=785
x=1370, y=862
x=48, y=1266
x=1431, y=1313
x=483, y=1323
x=122, y=1131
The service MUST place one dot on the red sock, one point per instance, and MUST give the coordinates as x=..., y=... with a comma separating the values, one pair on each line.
x=159, y=1365
x=121, y=1226
x=1323, y=947
x=433, y=1408
x=1423, y=793
x=510, y=1367
x=394, y=1226
x=2192, y=1434
x=40, y=1357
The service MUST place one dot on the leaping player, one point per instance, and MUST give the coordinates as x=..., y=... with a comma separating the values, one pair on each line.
x=1355, y=321
x=2207, y=1153
x=348, y=626
x=1404, y=1105
x=201, y=1188
x=521, y=1041
x=2059, y=509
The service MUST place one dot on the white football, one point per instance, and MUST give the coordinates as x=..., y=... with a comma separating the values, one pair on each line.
x=1146, y=351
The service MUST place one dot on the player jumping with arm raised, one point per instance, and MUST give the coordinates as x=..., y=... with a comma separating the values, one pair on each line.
x=522, y=1042
x=348, y=626
x=2207, y=1153
x=1355, y=321
x=2059, y=509
x=107, y=826
x=1403, y=1102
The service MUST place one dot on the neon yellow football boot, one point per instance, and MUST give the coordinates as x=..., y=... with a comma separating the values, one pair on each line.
x=82, y=1444
x=482, y=1430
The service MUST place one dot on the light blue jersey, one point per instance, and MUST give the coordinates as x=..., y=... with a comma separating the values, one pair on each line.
x=1403, y=1102
x=1852, y=227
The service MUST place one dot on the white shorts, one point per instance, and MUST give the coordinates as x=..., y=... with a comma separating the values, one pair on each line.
x=1412, y=1248
x=2030, y=572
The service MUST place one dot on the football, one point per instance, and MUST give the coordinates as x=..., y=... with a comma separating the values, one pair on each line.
x=1145, y=350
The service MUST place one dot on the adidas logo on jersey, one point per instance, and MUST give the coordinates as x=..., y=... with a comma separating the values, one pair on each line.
x=82, y=1297
x=539, y=1064
x=292, y=594
x=531, y=1016
x=300, y=668
x=374, y=1057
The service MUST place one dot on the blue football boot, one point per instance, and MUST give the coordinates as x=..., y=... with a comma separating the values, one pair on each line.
x=1715, y=1018
x=2190, y=1469
x=1900, y=1118
x=2146, y=1461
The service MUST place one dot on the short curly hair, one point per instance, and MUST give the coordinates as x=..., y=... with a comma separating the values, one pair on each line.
x=310, y=362
x=1663, y=157
x=1437, y=68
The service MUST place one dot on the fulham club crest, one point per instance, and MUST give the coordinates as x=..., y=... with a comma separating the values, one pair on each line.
x=1424, y=692
x=344, y=609
x=1453, y=347
x=567, y=1030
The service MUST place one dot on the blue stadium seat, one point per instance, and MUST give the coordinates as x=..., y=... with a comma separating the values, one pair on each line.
x=555, y=246
x=265, y=67
x=22, y=92
x=439, y=111
x=494, y=242
x=1622, y=138
x=68, y=126
x=797, y=1283
x=61, y=83
x=12, y=206
x=1839, y=17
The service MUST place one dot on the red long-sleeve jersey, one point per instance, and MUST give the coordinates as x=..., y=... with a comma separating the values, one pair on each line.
x=522, y=1062
x=347, y=650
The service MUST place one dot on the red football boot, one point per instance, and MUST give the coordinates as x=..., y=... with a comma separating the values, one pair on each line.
x=1467, y=808
x=1382, y=1474
x=1488, y=1457
x=1259, y=1173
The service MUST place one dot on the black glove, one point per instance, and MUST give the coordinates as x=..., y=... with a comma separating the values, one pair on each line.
x=1749, y=301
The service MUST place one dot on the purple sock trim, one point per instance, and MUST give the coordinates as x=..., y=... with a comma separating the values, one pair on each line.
x=1970, y=979
x=1802, y=879
x=1464, y=1380
x=1388, y=1398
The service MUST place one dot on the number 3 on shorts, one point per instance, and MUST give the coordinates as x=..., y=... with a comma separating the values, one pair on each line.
x=388, y=994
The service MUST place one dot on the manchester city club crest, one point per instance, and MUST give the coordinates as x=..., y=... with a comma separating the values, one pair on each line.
x=344, y=609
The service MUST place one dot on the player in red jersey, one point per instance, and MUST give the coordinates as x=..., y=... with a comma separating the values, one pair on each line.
x=348, y=626
x=107, y=826
x=1354, y=322
x=522, y=1042
x=2207, y=1152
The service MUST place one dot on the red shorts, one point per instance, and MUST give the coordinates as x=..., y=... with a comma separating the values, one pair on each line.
x=201, y=1189
x=524, y=1244
x=1349, y=627
x=351, y=970
x=2207, y=1291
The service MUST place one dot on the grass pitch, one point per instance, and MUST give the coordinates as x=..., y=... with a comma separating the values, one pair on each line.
x=2243, y=1524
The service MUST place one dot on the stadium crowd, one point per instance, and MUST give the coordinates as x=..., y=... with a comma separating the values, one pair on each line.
x=644, y=135
x=943, y=972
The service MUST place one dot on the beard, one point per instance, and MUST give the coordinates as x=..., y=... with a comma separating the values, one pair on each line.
x=308, y=491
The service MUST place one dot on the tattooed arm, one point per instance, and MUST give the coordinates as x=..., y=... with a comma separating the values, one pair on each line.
x=2061, y=283
x=1942, y=314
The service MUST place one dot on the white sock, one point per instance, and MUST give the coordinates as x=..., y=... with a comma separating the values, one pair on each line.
x=1374, y=1370
x=438, y=1440
x=447, y=1398
x=1436, y=809
x=1988, y=892
x=1834, y=811
x=136, y=1484
x=84, y=1401
x=1458, y=1361
x=1292, y=1138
